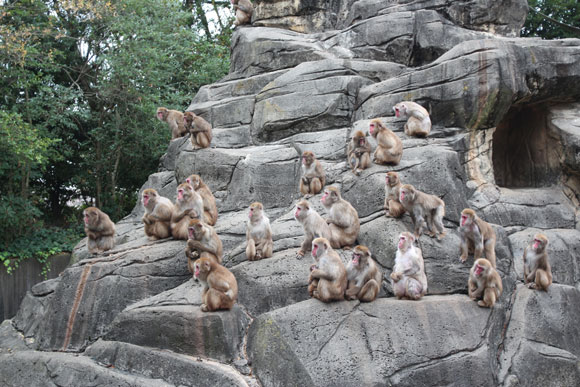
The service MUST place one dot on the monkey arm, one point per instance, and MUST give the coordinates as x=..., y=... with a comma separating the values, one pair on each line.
x=196, y=130
x=195, y=244
x=243, y=8
x=91, y=234
x=352, y=290
x=162, y=213
x=317, y=273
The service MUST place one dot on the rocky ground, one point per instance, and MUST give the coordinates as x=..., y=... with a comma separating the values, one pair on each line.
x=505, y=142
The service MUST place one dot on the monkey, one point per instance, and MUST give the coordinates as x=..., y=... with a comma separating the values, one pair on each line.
x=210, y=212
x=408, y=278
x=477, y=236
x=484, y=282
x=174, y=119
x=202, y=242
x=327, y=281
x=188, y=205
x=200, y=130
x=537, y=270
x=389, y=146
x=100, y=230
x=314, y=226
x=393, y=206
x=220, y=286
x=358, y=153
x=364, y=277
x=244, y=10
x=313, y=176
x=258, y=234
x=419, y=123
x=420, y=205
x=343, y=218
x=157, y=218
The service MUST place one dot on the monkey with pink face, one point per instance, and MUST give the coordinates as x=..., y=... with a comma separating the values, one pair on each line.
x=419, y=123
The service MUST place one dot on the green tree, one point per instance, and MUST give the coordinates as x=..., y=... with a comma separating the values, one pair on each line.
x=553, y=19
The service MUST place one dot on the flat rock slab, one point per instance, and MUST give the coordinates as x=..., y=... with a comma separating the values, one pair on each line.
x=353, y=344
x=179, y=370
x=272, y=283
x=173, y=320
x=36, y=369
x=91, y=293
x=543, y=338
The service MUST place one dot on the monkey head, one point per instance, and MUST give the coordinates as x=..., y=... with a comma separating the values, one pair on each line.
x=188, y=117
x=201, y=268
x=374, y=127
x=392, y=178
x=359, y=138
x=195, y=229
x=308, y=158
x=360, y=255
x=319, y=248
x=407, y=193
x=302, y=209
x=480, y=267
x=256, y=209
x=184, y=192
x=467, y=217
x=162, y=113
x=539, y=243
x=149, y=198
x=331, y=195
x=91, y=216
x=406, y=240
x=400, y=109
x=194, y=180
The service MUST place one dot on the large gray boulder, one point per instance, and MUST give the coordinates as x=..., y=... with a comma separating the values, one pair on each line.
x=304, y=77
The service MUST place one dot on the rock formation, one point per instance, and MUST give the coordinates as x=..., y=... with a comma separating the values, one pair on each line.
x=303, y=76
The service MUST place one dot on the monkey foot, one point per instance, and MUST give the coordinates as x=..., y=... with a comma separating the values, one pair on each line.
x=531, y=285
x=463, y=259
x=358, y=172
x=440, y=236
x=204, y=308
x=482, y=304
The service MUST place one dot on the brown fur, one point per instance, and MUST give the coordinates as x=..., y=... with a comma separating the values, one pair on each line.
x=210, y=212
x=190, y=206
x=343, y=218
x=358, y=154
x=408, y=278
x=203, y=241
x=327, y=281
x=313, y=176
x=174, y=119
x=487, y=284
x=419, y=122
x=393, y=206
x=389, y=145
x=537, y=269
x=157, y=218
x=220, y=286
x=364, y=277
x=314, y=226
x=100, y=230
x=477, y=236
x=258, y=234
x=244, y=10
x=200, y=130
x=420, y=206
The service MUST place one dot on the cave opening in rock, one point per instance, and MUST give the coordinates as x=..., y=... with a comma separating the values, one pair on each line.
x=525, y=154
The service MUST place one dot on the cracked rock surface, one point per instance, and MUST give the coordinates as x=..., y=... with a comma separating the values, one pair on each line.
x=305, y=76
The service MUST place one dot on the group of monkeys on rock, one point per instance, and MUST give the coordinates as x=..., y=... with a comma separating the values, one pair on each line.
x=194, y=213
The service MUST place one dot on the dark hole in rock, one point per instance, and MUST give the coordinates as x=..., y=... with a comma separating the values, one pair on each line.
x=524, y=152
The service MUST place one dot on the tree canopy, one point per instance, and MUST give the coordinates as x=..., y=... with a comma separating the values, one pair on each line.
x=553, y=19
x=80, y=84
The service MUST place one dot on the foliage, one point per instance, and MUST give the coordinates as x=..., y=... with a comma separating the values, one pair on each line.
x=40, y=245
x=553, y=19
x=80, y=83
